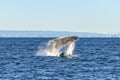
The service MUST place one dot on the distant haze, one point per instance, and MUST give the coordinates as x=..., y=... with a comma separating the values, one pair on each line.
x=48, y=34
x=98, y=16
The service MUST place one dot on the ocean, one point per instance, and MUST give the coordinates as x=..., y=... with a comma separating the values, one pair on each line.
x=93, y=59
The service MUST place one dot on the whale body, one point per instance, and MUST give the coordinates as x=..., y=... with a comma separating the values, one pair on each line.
x=55, y=45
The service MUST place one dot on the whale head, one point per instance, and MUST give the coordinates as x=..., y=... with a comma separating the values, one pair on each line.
x=75, y=37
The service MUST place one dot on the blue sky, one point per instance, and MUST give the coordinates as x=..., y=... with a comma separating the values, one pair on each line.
x=101, y=16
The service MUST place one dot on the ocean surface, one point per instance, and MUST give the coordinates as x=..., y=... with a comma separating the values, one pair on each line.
x=93, y=59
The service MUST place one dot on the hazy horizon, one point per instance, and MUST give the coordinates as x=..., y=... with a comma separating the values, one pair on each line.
x=64, y=15
x=57, y=31
x=49, y=34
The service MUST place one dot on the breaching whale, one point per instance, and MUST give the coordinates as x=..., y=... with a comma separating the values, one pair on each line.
x=55, y=45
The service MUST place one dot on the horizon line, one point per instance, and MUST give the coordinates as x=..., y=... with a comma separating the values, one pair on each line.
x=62, y=31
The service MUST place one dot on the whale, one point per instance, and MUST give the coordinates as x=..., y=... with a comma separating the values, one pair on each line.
x=55, y=45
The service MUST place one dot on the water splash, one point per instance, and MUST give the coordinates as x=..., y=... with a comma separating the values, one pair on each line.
x=41, y=50
x=70, y=49
x=59, y=47
x=51, y=49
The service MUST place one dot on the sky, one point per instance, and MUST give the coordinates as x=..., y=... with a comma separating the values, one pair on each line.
x=99, y=16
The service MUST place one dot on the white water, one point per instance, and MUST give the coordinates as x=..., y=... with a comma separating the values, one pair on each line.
x=69, y=49
x=51, y=50
x=41, y=50
x=55, y=48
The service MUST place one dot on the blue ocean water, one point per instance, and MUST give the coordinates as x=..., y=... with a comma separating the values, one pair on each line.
x=96, y=59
